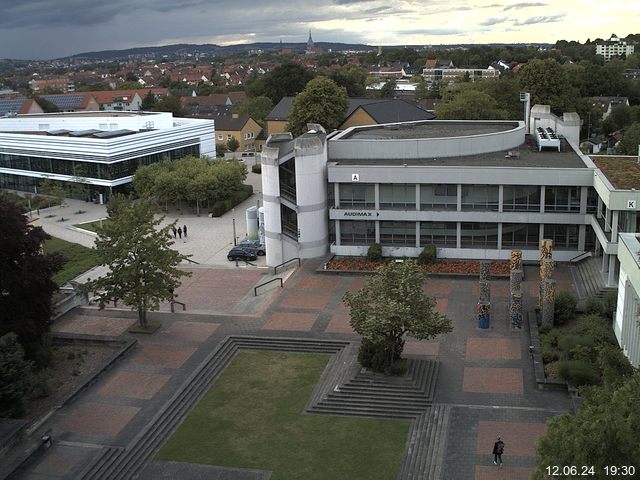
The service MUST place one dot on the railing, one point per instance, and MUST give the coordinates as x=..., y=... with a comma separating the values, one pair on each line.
x=255, y=289
x=192, y=261
x=275, y=269
x=173, y=302
x=580, y=257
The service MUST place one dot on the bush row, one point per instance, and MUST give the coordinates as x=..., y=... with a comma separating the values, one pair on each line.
x=221, y=207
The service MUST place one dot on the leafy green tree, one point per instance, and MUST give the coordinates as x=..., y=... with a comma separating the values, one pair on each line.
x=548, y=84
x=285, y=80
x=46, y=105
x=221, y=149
x=26, y=284
x=470, y=105
x=233, y=144
x=630, y=140
x=322, y=102
x=14, y=375
x=604, y=432
x=352, y=78
x=256, y=107
x=149, y=101
x=170, y=104
x=388, y=90
x=391, y=304
x=142, y=265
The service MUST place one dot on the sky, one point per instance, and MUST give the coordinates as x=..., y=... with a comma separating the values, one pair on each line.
x=44, y=29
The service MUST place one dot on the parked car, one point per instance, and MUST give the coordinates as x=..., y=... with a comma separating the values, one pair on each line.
x=242, y=253
x=255, y=244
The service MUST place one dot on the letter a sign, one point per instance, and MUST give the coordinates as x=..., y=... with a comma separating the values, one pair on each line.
x=355, y=177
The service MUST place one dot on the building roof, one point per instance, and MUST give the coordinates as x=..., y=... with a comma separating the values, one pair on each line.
x=70, y=101
x=441, y=129
x=15, y=105
x=112, y=96
x=216, y=99
x=229, y=123
x=622, y=172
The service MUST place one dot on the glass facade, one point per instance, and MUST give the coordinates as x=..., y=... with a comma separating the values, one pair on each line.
x=480, y=197
x=289, y=219
x=441, y=234
x=520, y=235
x=288, y=180
x=439, y=197
x=479, y=235
x=565, y=237
x=353, y=232
x=398, y=196
x=361, y=195
x=521, y=198
x=562, y=199
x=398, y=233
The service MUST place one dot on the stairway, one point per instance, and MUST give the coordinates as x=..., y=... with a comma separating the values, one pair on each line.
x=592, y=281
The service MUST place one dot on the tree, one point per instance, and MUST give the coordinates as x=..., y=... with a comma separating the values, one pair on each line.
x=388, y=90
x=14, y=374
x=170, y=104
x=26, y=284
x=470, y=105
x=46, y=105
x=142, y=265
x=548, y=84
x=285, y=81
x=630, y=140
x=149, y=101
x=604, y=432
x=322, y=101
x=391, y=304
x=233, y=144
x=352, y=78
x=256, y=107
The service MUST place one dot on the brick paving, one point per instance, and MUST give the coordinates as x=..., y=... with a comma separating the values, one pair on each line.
x=483, y=375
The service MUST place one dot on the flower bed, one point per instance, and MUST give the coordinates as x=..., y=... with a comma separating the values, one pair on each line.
x=461, y=267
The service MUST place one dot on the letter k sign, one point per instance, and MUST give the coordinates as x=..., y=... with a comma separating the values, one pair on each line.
x=355, y=177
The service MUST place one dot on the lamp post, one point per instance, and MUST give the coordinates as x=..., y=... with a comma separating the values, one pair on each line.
x=233, y=212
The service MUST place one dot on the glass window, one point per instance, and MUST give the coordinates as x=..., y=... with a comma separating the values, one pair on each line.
x=592, y=200
x=357, y=195
x=63, y=167
x=398, y=233
x=353, y=232
x=565, y=237
x=479, y=235
x=521, y=235
x=289, y=219
x=480, y=197
x=439, y=197
x=441, y=234
x=398, y=196
x=562, y=199
x=521, y=198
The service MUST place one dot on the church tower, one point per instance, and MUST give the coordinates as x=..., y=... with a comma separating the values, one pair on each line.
x=310, y=46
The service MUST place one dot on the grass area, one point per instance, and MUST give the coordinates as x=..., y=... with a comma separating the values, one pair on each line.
x=91, y=226
x=78, y=258
x=253, y=418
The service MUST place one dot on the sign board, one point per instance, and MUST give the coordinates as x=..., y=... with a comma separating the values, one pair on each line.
x=355, y=177
x=631, y=204
x=360, y=213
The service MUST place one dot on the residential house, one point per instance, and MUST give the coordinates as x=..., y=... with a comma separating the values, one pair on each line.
x=614, y=47
x=58, y=82
x=241, y=127
x=73, y=102
x=606, y=104
x=211, y=105
x=126, y=100
x=18, y=104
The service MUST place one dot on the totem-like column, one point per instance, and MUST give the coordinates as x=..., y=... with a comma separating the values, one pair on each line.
x=485, y=271
x=484, y=291
x=484, y=315
x=546, y=272
x=515, y=309
x=546, y=249
x=515, y=280
x=546, y=252
x=548, y=302
x=515, y=262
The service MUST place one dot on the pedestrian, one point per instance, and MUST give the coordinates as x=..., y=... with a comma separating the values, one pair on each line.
x=498, y=450
x=175, y=232
x=184, y=230
x=179, y=232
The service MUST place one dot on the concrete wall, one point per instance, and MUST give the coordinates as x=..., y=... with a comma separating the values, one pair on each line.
x=626, y=326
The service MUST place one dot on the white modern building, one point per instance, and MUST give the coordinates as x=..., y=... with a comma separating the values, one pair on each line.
x=614, y=47
x=100, y=149
x=626, y=326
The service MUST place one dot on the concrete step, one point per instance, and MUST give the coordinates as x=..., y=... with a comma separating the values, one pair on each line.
x=364, y=412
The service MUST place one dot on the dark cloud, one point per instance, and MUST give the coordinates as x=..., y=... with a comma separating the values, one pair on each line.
x=518, y=6
x=493, y=21
x=539, y=19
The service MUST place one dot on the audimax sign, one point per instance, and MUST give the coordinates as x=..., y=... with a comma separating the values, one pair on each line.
x=360, y=213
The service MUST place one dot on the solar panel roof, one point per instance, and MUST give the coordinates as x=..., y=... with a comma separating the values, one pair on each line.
x=11, y=105
x=65, y=102
x=83, y=133
x=113, y=133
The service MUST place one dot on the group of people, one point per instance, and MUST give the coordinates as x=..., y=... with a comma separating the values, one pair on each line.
x=179, y=231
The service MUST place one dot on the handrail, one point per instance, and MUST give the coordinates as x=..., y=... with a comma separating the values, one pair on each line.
x=192, y=261
x=581, y=256
x=173, y=302
x=275, y=269
x=255, y=290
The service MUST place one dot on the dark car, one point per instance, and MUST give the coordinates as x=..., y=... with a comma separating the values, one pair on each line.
x=254, y=244
x=242, y=253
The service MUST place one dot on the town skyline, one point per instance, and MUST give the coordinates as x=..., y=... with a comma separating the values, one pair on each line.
x=31, y=31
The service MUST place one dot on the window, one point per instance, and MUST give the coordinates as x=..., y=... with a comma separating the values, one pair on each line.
x=357, y=195
x=289, y=220
x=354, y=232
x=398, y=196
x=521, y=235
x=479, y=235
x=565, y=237
x=521, y=198
x=562, y=199
x=398, y=233
x=229, y=137
x=592, y=200
x=480, y=197
x=441, y=234
x=439, y=197
x=220, y=137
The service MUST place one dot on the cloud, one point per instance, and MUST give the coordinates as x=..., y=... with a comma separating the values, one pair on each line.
x=434, y=31
x=518, y=6
x=350, y=2
x=493, y=21
x=539, y=19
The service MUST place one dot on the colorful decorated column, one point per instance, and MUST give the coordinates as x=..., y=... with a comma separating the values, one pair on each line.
x=515, y=280
x=548, y=302
x=485, y=271
x=546, y=272
x=515, y=262
x=515, y=309
x=484, y=291
x=484, y=315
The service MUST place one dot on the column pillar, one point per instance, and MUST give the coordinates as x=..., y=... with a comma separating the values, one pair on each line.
x=376, y=195
x=582, y=237
x=548, y=303
x=337, y=225
x=611, y=278
x=459, y=199
x=500, y=198
x=584, y=194
x=542, y=195
x=483, y=311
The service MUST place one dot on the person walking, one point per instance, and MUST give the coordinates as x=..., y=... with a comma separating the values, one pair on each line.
x=184, y=230
x=498, y=450
x=175, y=232
x=179, y=232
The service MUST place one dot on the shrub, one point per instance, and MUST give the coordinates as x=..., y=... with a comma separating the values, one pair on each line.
x=578, y=372
x=14, y=376
x=609, y=304
x=428, y=255
x=577, y=347
x=256, y=168
x=593, y=305
x=374, y=254
x=549, y=354
x=614, y=366
x=39, y=385
x=377, y=356
x=596, y=327
x=565, y=307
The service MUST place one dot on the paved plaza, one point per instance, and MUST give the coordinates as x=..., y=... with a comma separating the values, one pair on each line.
x=485, y=377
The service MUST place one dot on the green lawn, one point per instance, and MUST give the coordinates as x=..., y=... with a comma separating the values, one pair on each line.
x=253, y=418
x=91, y=226
x=79, y=258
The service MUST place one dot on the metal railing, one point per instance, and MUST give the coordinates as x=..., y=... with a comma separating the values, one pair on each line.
x=173, y=303
x=275, y=269
x=581, y=257
x=255, y=289
x=192, y=261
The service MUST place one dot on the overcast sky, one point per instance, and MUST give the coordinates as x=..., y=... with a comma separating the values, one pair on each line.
x=41, y=29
